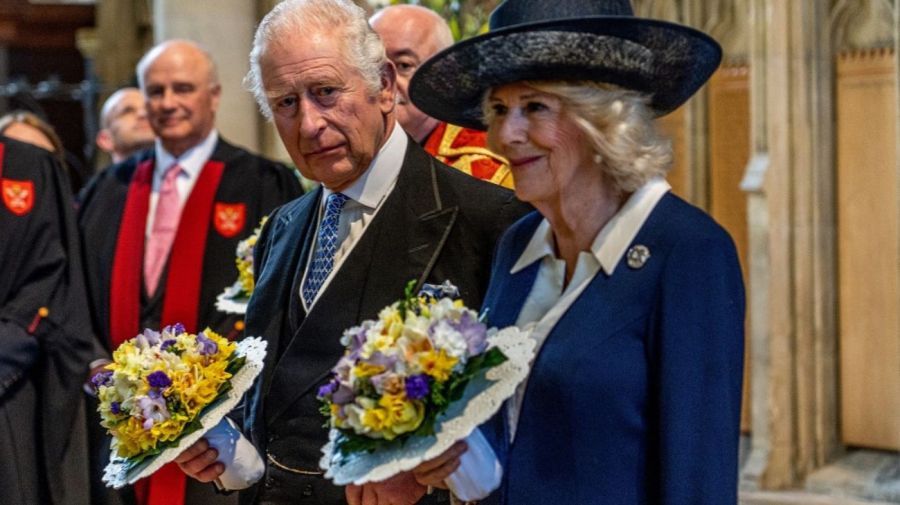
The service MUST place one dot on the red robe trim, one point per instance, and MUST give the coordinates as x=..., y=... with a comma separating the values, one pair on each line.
x=182, y=295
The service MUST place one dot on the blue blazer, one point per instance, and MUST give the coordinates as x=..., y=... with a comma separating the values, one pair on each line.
x=635, y=396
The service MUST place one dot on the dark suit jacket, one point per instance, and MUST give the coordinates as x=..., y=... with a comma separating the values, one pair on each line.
x=437, y=224
x=635, y=395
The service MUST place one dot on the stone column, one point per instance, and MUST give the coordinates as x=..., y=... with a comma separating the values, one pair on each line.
x=225, y=28
x=792, y=263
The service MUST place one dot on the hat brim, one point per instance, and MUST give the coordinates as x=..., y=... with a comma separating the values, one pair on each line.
x=667, y=61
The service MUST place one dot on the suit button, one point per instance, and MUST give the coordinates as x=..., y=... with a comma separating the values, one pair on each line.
x=270, y=482
x=307, y=490
x=273, y=437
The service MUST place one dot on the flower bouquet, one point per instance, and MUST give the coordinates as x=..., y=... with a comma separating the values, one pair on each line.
x=412, y=383
x=234, y=299
x=165, y=390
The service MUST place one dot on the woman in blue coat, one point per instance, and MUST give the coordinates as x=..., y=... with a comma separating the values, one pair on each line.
x=634, y=296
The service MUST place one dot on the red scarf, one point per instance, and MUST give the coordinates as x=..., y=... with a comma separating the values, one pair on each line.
x=182, y=295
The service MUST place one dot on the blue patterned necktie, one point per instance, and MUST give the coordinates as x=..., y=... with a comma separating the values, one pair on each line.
x=326, y=246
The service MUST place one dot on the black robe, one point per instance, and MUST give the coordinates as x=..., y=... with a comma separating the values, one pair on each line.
x=45, y=333
x=256, y=184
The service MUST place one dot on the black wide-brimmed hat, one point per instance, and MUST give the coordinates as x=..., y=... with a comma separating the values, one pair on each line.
x=582, y=40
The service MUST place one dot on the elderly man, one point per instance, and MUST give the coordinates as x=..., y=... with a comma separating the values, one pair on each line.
x=385, y=213
x=412, y=34
x=160, y=229
x=125, y=129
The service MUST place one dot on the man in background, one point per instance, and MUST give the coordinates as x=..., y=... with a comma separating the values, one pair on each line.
x=160, y=229
x=411, y=34
x=124, y=128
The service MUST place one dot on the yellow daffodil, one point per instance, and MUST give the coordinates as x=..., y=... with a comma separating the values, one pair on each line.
x=437, y=364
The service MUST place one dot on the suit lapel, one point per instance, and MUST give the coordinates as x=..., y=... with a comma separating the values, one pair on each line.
x=401, y=243
x=275, y=282
x=417, y=224
x=507, y=292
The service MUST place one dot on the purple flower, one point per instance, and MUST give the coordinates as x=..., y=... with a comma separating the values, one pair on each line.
x=178, y=329
x=207, y=346
x=166, y=344
x=343, y=395
x=417, y=387
x=148, y=339
x=153, y=410
x=473, y=332
x=101, y=378
x=327, y=389
x=154, y=393
x=115, y=408
x=379, y=359
x=159, y=379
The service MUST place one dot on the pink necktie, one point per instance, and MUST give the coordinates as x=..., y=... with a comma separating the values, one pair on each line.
x=165, y=224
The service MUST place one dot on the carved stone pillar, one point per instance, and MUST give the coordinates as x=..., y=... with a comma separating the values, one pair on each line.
x=123, y=34
x=792, y=270
x=226, y=30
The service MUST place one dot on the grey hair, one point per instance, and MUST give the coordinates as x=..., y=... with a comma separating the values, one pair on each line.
x=157, y=50
x=362, y=48
x=618, y=124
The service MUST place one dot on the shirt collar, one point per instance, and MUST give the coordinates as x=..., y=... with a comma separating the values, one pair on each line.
x=191, y=161
x=376, y=182
x=614, y=238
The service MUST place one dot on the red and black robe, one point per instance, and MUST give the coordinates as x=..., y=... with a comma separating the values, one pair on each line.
x=233, y=192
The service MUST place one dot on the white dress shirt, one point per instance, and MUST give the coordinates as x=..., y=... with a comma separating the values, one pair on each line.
x=365, y=197
x=243, y=464
x=548, y=301
x=191, y=161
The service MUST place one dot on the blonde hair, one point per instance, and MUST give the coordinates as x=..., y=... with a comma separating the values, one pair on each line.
x=619, y=126
x=33, y=120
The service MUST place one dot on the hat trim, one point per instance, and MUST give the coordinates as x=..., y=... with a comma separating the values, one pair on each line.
x=667, y=61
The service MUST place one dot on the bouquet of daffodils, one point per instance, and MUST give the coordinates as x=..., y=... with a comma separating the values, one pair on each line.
x=233, y=300
x=164, y=390
x=413, y=382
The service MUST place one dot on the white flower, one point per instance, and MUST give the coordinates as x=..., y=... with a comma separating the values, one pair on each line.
x=445, y=337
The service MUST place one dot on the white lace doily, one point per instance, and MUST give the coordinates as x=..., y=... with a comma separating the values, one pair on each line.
x=483, y=397
x=230, y=301
x=117, y=472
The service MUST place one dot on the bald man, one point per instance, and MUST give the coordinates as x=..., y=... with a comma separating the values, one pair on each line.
x=161, y=228
x=412, y=34
x=125, y=129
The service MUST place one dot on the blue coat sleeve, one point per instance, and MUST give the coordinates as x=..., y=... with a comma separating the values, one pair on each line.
x=697, y=366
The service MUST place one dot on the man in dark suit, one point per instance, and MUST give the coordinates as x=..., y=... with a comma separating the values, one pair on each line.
x=160, y=229
x=385, y=213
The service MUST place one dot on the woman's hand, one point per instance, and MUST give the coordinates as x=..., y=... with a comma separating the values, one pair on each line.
x=432, y=473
